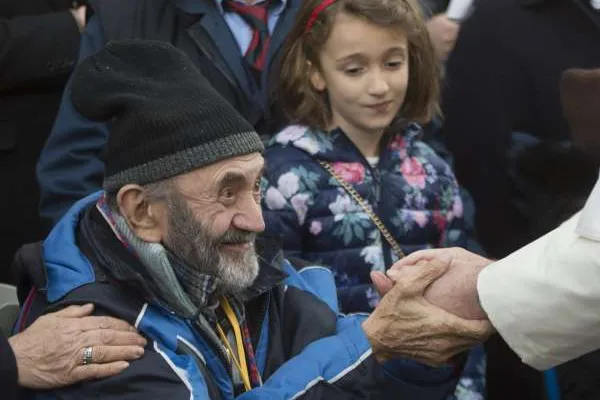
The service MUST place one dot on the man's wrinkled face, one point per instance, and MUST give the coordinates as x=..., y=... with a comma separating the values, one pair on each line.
x=213, y=217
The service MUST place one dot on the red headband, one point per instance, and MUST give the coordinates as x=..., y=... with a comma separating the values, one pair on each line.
x=315, y=14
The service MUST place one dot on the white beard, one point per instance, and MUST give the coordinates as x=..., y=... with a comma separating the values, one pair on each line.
x=236, y=274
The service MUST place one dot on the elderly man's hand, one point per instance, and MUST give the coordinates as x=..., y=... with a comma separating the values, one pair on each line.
x=50, y=352
x=406, y=325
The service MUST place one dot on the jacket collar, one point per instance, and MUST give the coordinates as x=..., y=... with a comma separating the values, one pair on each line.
x=336, y=146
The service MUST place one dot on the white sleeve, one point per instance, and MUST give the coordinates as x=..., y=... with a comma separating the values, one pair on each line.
x=544, y=299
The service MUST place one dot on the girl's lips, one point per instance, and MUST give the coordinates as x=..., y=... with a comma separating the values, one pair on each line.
x=381, y=107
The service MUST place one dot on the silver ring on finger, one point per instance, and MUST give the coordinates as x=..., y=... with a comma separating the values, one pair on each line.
x=87, y=355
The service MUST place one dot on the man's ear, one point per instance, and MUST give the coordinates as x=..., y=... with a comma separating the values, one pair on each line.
x=144, y=218
x=316, y=78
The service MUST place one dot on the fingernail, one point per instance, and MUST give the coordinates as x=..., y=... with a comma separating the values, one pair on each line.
x=139, y=352
x=123, y=364
x=88, y=306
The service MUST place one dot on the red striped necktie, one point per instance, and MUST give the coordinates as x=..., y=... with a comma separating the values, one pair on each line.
x=256, y=16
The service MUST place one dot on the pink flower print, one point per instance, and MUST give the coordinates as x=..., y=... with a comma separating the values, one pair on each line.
x=413, y=172
x=300, y=205
x=315, y=228
x=420, y=218
x=350, y=172
x=399, y=144
x=457, y=208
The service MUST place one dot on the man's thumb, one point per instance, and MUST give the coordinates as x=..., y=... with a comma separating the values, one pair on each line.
x=382, y=283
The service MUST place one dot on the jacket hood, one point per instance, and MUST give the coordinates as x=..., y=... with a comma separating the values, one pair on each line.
x=336, y=146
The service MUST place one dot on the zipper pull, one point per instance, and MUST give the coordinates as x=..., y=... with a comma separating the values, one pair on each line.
x=377, y=185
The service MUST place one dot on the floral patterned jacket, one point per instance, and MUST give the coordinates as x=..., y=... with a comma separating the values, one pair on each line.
x=411, y=190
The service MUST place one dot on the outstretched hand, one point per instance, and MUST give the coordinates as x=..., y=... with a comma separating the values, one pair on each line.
x=407, y=325
x=455, y=291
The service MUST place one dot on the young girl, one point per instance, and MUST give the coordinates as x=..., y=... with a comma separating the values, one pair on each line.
x=350, y=186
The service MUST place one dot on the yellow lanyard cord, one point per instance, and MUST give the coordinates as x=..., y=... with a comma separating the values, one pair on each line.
x=240, y=361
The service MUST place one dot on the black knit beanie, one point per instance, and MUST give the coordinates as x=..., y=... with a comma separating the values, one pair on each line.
x=165, y=118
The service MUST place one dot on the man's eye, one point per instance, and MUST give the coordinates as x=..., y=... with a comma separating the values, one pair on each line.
x=227, y=193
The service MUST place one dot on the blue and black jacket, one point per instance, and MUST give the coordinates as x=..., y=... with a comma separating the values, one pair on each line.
x=304, y=347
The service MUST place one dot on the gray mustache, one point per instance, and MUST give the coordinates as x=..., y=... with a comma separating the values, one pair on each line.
x=237, y=237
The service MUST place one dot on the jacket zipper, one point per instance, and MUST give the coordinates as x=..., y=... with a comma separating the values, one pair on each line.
x=219, y=347
x=213, y=387
x=386, y=249
x=377, y=186
x=257, y=324
x=221, y=350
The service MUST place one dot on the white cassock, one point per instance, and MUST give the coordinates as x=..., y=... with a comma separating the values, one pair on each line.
x=544, y=299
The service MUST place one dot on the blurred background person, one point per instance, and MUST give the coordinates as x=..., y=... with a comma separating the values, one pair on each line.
x=39, y=42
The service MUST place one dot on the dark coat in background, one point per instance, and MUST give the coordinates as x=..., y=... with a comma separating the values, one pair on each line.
x=8, y=371
x=511, y=145
x=502, y=78
x=39, y=41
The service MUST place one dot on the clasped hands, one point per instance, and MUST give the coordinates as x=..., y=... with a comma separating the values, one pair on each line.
x=430, y=309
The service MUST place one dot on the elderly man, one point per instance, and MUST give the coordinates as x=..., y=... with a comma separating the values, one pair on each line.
x=171, y=247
